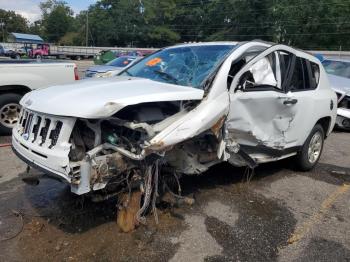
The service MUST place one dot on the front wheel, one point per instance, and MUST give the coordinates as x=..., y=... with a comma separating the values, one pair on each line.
x=311, y=151
x=9, y=112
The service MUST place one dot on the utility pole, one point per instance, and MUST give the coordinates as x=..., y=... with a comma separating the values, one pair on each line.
x=2, y=24
x=141, y=7
x=87, y=28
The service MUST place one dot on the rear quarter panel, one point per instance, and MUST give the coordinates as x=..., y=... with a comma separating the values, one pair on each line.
x=323, y=103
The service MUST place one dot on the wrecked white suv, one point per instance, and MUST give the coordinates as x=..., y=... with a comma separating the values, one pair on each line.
x=179, y=111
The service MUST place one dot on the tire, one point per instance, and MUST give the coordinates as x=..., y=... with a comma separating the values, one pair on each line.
x=311, y=151
x=38, y=57
x=9, y=112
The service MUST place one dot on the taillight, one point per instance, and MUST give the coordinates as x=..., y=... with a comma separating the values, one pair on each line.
x=76, y=76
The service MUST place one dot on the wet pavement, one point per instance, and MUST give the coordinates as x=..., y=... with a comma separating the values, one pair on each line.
x=277, y=215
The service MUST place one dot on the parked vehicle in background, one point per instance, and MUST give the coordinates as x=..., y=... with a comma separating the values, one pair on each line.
x=106, y=56
x=75, y=53
x=9, y=53
x=2, y=51
x=20, y=77
x=112, y=68
x=23, y=51
x=179, y=110
x=13, y=54
x=339, y=77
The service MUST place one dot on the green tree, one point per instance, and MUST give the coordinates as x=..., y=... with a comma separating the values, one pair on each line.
x=308, y=24
x=312, y=24
x=57, y=19
x=11, y=22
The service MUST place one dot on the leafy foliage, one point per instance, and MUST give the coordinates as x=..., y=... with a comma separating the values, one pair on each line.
x=308, y=24
x=57, y=19
x=11, y=22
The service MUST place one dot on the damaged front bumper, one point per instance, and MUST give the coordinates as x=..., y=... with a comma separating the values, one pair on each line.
x=48, y=149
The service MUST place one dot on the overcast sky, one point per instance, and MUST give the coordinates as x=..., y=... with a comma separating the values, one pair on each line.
x=30, y=8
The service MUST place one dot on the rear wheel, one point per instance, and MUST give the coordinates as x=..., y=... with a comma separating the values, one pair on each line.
x=9, y=112
x=311, y=151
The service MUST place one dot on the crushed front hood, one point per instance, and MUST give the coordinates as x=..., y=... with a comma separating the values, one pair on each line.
x=104, y=97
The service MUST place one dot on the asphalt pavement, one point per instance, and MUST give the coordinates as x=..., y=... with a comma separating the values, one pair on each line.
x=273, y=214
x=279, y=214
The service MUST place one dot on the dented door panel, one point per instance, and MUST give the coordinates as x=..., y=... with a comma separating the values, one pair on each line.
x=259, y=118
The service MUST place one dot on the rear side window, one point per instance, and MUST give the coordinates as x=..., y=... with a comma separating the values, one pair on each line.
x=315, y=75
x=285, y=62
x=297, y=82
x=306, y=75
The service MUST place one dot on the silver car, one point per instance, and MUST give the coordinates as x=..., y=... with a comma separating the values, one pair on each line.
x=339, y=76
x=112, y=68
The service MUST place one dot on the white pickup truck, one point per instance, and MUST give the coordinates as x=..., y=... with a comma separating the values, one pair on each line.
x=20, y=77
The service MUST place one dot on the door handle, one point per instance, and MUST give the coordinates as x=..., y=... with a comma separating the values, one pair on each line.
x=290, y=101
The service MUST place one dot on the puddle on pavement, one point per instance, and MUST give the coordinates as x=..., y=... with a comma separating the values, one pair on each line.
x=248, y=226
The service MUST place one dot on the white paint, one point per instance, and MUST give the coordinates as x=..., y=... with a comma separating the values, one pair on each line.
x=101, y=98
x=36, y=75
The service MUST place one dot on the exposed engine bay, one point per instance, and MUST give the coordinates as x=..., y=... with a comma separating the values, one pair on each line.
x=113, y=152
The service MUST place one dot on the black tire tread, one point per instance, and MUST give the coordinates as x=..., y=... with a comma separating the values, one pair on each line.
x=6, y=99
x=303, y=163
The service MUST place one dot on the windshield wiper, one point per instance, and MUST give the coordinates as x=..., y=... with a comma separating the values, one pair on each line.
x=167, y=75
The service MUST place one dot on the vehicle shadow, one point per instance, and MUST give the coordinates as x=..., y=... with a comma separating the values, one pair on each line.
x=225, y=174
x=77, y=214
x=53, y=200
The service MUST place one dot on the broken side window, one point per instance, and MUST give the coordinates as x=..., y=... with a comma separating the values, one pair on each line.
x=285, y=64
x=238, y=64
x=305, y=75
x=265, y=74
x=297, y=81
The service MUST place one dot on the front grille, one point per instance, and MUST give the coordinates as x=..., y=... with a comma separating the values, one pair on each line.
x=40, y=129
x=55, y=133
x=36, y=128
x=345, y=102
x=44, y=131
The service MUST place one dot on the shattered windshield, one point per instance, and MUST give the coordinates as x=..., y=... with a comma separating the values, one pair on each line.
x=186, y=66
x=338, y=68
